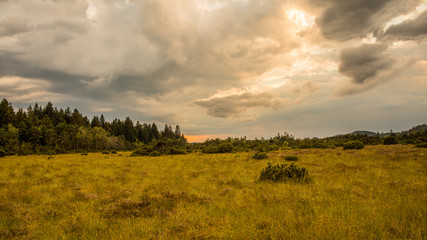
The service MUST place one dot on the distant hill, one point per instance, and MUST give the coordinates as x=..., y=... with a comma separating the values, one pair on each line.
x=417, y=129
x=369, y=133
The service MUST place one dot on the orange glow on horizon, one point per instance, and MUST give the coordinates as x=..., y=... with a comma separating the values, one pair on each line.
x=202, y=138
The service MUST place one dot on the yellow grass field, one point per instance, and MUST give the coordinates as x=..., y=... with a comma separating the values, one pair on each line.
x=379, y=192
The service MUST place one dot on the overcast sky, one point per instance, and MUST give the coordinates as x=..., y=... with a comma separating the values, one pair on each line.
x=312, y=68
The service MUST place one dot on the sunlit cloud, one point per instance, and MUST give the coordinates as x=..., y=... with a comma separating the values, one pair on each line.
x=215, y=67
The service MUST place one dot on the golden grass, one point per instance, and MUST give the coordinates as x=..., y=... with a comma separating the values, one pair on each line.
x=379, y=192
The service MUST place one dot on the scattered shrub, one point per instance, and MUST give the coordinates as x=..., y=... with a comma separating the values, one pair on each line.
x=291, y=158
x=84, y=154
x=421, y=145
x=305, y=145
x=114, y=152
x=176, y=151
x=260, y=155
x=143, y=151
x=225, y=147
x=389, y=140
x=155, y=154
x=353, y=145
x=266, y=147
x=210, y=149
x=284, y=172
x=105, y=152
x=2, y=153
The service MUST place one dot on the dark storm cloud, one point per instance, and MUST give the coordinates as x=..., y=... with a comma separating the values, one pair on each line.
x=344, y=20
x=364, y=62
x=409, y=29
x=234, y=105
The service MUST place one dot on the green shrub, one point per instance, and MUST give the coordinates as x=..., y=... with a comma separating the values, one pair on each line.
x=2, y=153
x=210, y=149
x=389, y=140
x=114, y=152
x=143, y=151
x=283, y=172
x=105, y=152
x=421, y=145
x=225, y=147
x=305, y=145
x=260, y=155
x=155, y=154
x=176, y=151
x=291, y=158
x=84, y=154
x=353, y=145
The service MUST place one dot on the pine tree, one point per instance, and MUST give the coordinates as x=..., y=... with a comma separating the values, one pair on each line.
x=7, y=114
x=129, y=131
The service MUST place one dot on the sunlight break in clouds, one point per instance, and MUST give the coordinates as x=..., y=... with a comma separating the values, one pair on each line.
x=220, y=67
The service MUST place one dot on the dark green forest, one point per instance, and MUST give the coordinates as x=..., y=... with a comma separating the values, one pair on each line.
x=49, y=130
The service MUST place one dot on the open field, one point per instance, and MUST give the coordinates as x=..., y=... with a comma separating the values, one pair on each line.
x=379, y=192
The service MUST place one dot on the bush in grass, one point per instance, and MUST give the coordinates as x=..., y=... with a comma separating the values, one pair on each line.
x=225, y=147
x=260, y=155
x=389, y=140
x=353, y=145
x=283, y=172
x=84, y=154
x=176, y=151
x=2, y=153
x=291, y=158
x=155, y=154
x=210, y=149
x=114, y=152
x=105, y=152
x=144, y=151
x=421, y=145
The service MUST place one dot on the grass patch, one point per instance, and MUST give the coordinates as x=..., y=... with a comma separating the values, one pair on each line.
x=374, y=193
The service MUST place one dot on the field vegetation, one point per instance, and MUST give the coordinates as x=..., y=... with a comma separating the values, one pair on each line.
x=378, y=192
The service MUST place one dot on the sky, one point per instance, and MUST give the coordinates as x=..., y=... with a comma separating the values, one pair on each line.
x=217, y=68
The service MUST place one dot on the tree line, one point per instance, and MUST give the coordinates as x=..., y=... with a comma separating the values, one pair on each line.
x=416, y=135
x=50, y=130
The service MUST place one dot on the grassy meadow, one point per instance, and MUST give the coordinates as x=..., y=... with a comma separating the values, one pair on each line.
x=379, y=192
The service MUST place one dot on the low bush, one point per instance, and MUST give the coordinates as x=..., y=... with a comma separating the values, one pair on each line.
x=2, y=153
x=176, y=151
x=291, y=158
x=105, y=152
x=210, y=149
x=144, y=151
x=260, y=155
x=284, y=172
x=84, y=154
x=353, y=145
x=155, y=154
x=114, y=152
x=389, y=140
x=224, y=147
x=421, y=145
